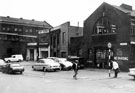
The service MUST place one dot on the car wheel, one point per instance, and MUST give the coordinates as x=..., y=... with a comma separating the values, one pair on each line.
x=19, y=60
x=8, y=61
x=9, y=71
x=33, y=68
x=21, y=72
x=3, y=71
x=44, y=69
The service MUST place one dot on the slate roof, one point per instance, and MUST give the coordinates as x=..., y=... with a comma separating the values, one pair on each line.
x=25, y=21
x=132, y=12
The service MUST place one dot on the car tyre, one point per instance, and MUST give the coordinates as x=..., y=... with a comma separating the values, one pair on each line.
x=44, y=69
x=19, y=60
x=21, y=72
x=8, y=61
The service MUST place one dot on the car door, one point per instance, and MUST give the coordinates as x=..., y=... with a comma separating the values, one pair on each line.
x=41, y=64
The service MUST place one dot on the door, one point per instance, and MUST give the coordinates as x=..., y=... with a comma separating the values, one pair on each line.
x=32, y=54
x=44, y=54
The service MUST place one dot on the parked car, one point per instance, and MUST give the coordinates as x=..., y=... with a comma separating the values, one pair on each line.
x=46, y=65
x=2, y=64
x=132, y=72
x=15, y=58
x=65, y=65
x=13, y=68
x=81, y=64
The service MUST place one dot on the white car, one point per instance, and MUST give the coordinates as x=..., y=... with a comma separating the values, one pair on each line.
x=65, y=65
x=15, y=58
x=132, y=72
x=2, y=63
x=46, y=65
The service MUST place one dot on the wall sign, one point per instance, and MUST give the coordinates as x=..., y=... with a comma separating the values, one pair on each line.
x=121, y=58
x=123, y=44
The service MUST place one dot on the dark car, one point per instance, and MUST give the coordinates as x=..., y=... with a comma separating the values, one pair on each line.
x=81, y=61
x=12, y=68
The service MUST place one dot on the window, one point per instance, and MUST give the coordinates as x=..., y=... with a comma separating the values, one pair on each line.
x=30, y=30
x=103, y=26
x=3, y=28
x=8, y=29
x=63, y=37
x=20, y=29
x=132, y=28
x=113, y=28
x=15, y=29
x=26, y=30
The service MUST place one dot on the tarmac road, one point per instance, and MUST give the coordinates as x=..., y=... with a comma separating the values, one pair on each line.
x=89, y=81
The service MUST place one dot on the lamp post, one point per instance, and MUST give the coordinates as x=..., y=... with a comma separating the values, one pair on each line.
x=109, y=57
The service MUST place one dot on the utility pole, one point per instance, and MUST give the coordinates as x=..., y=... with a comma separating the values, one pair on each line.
x=109, y=57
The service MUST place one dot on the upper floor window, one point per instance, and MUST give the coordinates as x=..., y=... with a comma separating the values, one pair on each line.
x=132, y=28
x=15, y=29
x=63, y=37
x=103, y=26
x=30, y=30
x=3, y=28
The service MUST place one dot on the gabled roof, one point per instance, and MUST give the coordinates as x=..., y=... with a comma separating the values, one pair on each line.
x=24, y=21
x=131, y=12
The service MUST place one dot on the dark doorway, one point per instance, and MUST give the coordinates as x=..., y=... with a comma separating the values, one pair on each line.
x=32, y=54
x=44, y=54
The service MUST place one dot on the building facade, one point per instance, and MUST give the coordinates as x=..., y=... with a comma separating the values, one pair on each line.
x=16, y=34
x=61, y=39
x=110, y=24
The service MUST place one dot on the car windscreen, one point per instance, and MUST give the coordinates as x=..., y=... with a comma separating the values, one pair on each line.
x=41, y=61
x=49, y=60
x=62, y=60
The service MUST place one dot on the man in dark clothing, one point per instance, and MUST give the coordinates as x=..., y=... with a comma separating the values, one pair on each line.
x=75, y=68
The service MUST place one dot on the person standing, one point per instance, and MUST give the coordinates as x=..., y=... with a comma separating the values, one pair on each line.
x=75, y=68
x=115, y=68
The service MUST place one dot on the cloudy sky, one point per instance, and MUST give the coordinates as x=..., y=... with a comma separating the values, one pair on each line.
x=55, y=12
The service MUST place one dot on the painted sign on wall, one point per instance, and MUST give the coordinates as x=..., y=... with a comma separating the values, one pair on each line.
x=121, y=58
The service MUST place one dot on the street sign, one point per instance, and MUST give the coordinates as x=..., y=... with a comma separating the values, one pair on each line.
x=109, y=45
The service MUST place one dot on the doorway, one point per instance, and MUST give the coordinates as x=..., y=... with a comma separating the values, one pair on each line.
x=101, y=57
x=32, y=54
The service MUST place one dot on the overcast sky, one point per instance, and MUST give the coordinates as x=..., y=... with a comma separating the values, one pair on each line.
x=55, y=12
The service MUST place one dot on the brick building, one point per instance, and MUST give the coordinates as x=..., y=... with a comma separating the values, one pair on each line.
x=61, y=39
x=15, y=33
x=114, y=24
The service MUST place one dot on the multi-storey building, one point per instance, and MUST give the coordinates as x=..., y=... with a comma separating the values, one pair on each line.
x=61, y=39
x=110, y=24
x=17, y=34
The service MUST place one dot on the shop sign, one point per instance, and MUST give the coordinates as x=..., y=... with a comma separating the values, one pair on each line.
x=121, y=58
x=31, y=44
x=123, y=44
x=132, y=42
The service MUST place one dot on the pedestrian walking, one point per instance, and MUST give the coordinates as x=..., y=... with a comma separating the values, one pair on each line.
x=75, y=68
x=115, y=68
